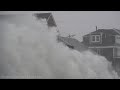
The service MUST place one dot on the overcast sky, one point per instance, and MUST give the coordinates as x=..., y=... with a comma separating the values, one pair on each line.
x=81, y=22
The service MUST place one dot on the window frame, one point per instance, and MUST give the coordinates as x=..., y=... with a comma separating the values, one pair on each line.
x=115, y=55
x=117, y=37
x=95, y=38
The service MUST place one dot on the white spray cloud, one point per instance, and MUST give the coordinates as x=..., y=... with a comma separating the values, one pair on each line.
x=31, y=51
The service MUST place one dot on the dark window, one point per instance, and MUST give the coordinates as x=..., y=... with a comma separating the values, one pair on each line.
x=93, y=38
x=117, y=52
x=97, y=38
x=98, y=51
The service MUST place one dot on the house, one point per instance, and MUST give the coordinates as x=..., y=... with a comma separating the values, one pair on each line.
x=49, y=18
x=72, y=43
x=68, y=41
x=105, y=42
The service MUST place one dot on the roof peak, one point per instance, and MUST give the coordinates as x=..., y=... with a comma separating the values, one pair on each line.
x=110, y=31
x=49, y=18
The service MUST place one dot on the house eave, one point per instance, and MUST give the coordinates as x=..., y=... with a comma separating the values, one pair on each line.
x=102, y=47
x=115, y=46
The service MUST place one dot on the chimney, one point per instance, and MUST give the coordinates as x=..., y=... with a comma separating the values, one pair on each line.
x=96, y=28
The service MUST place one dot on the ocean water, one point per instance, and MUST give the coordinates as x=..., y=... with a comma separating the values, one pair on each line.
x=29, y=49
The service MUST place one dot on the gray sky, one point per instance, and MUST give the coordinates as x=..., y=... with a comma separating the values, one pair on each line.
x=81, y=22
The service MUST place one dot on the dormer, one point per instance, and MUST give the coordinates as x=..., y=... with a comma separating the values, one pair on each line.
x=95, y=38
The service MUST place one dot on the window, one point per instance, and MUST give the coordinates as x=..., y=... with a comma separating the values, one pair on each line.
x=117, y=39
x=98, y=51
x=117, y=52
x=95, y=38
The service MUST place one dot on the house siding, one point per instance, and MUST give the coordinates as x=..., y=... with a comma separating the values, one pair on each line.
x=86, y=40
x=106, y=52
x=116, y=64
x=106, y=40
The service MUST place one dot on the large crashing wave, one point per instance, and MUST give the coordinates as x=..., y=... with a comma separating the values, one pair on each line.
x=30, y=50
